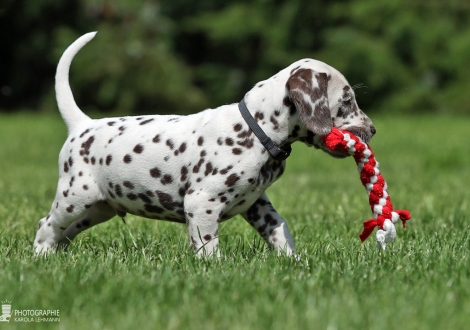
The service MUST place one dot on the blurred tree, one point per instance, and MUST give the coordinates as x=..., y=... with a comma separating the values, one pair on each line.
x=249, y=41
x=25, y=42
x=181, y=56
x=130, y=65
x=412, y=55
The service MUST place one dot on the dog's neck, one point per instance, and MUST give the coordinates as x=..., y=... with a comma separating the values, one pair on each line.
x=270, y=106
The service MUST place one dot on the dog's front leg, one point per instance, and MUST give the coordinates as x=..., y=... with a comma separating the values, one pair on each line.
x=270, y=225
x=203, y=228
x=203, y=235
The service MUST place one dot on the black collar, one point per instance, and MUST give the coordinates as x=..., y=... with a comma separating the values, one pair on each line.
x=275, y=152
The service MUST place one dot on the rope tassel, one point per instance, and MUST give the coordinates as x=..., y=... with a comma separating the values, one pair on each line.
x=376, y=187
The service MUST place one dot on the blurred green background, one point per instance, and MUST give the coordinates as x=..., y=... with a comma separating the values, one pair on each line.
x=181, y=56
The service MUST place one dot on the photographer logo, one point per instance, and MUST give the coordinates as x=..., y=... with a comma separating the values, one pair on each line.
x=6, y=311
x=28, y=315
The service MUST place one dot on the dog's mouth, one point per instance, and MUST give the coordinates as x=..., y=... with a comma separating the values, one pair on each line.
x=318, y=144
x=361, y=133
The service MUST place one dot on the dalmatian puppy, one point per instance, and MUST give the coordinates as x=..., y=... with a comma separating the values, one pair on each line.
x=199, y=169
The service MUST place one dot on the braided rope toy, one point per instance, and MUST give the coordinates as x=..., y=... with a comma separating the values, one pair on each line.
x=373, y=181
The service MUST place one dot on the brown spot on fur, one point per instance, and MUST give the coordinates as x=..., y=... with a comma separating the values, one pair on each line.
x=184, y=174
x=86, y=146
x=198, y=165
x=155, y=172
x=127, y=159
x=247, y=143
x=166, y=200
x=275, y=123
x=138, y=148
x=225, y=170
x=170, y=144
x=128, y=184
x=85, y=132
x=208, y=169
x=146, y=121
x=292, y=71
x=153, y=208
x=144, y=198
x=118, y=190
x=167, y=179
x=132, y=196
x=232, y=179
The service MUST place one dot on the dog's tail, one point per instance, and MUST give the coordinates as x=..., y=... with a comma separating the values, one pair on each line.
x=69, y=110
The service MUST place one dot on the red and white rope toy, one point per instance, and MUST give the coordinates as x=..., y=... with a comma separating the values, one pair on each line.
x=379, y=199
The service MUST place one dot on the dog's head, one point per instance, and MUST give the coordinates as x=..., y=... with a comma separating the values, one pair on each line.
x=322, y=99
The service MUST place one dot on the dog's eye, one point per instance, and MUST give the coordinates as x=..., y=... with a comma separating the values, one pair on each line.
x=340, y=112
x=347, y=102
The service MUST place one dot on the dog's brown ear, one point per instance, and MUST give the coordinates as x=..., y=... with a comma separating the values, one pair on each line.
x=308, y=91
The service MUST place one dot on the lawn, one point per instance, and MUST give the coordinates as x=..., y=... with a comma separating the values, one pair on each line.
x=142, y=275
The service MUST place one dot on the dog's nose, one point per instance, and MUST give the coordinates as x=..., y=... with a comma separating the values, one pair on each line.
x=373, y=130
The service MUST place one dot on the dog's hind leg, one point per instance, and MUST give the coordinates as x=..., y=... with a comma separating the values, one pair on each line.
x=100, y=212
x=270, y=225
x=52, y=227
x=70, y=204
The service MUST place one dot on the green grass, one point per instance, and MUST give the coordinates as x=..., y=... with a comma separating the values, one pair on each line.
x=142, y=274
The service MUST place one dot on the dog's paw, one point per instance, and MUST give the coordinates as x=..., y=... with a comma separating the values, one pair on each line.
x=42, y=247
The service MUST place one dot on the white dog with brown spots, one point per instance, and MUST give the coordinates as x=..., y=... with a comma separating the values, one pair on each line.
x=199, y=169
